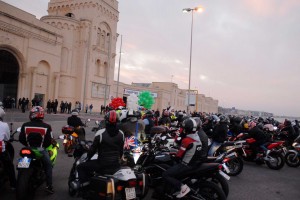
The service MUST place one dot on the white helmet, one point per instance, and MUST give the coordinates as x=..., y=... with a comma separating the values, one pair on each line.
x=122, y=115
x=2, y=113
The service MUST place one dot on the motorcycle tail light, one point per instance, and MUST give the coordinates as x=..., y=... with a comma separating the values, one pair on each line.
x=220, y=167
x=226, y=160
x=132, y=183
x=25, y=152
x=119, y=188
x=141, y=183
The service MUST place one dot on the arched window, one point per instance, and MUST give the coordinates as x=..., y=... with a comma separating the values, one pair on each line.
x=98, y=37
x=98, y=67
x=70, y=15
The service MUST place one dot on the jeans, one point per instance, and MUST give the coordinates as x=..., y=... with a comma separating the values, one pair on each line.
x=47, y=166
x=213, y=148
x=173, y=172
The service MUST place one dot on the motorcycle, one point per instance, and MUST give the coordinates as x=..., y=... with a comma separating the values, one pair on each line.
x=111, y=183
x=6, y=155
x=31, y=173
x=155, y=158
x=71, y=138
x=292, y=157
x=273, y=158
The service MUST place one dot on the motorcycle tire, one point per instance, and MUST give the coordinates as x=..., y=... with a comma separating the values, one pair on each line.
x=280, y=161
x=220, y=181
x=206, y=190
x=72, y=177
x=235, y=166
x=24, y=190
x=290, y=161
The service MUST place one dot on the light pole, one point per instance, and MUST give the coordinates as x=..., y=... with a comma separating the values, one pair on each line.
x=119, y=69
x=185, y=10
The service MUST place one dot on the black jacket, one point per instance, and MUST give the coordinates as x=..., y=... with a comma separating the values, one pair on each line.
x=36, y=133
x=220, y=133
x=75, y=121
x=109, y=146
x=258, y=135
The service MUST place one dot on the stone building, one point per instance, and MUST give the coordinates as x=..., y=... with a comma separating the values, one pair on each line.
x=167, y=94
x=67, y=55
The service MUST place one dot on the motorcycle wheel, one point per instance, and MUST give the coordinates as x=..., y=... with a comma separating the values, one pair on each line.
x=207, y=190
x=220, y=181
x=291, y=161
x=68, y=147
x=24, y=190
x=235, y=166
x=278, y=161
x=72, y=177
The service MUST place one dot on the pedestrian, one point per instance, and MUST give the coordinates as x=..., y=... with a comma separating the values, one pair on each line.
x=91, y=108
x=86, y=108
x=19, y=103
x=23, y=105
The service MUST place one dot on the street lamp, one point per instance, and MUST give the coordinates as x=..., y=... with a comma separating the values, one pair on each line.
x=119, y=69
x=186, y=10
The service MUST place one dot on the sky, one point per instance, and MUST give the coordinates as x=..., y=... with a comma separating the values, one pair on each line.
x=245, y=53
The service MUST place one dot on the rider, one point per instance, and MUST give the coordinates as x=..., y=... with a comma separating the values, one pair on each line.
x=76, y=122
x=189, y=154
x=149, y=122
x=4, y=152
x=109, y=143
x=38, y=134
x=260, y=138
x=219, y=134
x=165, y=120
x=290, y=131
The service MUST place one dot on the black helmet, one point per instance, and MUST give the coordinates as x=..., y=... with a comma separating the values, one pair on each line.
x=111, y=118
x=189, y=125
x=198, y=121
x=223, y=119
x=149, y=113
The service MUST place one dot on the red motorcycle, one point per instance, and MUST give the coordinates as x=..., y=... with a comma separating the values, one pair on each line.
x=273, y=158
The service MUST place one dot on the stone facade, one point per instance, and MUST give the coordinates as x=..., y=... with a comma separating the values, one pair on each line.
x=167, y=94
x=67, y=55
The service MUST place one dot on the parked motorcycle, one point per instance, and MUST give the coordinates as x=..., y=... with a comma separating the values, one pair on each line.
x=273, y=158
x=112, y=183
x=292, y=157
x=156, y=158
x=31, y=173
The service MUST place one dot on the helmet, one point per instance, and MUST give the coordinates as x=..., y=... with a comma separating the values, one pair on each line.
x=198, y=121
x=123, y=115
x=75, y=112
x=189, y=125
x=287, y=122
x=111, y=118
x=166, y=113
x=215, y=118
x=223, y=119
x=149, y=113
x=37, y=112
x=251, y=124
x=2, y=113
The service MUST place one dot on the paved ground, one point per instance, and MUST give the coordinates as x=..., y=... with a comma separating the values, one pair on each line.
x=254, y=183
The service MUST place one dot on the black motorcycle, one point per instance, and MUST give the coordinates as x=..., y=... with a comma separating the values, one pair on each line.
x=111, y=183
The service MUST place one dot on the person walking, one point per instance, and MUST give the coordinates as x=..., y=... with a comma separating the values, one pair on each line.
x=91, y=108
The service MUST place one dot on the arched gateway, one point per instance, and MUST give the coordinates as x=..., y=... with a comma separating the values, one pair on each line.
x=9, y=73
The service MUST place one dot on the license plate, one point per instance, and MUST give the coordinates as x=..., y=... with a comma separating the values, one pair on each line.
x=224, y=175
x=130, y=193
x=24, y=162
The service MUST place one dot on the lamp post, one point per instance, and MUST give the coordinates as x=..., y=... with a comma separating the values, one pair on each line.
x=186, y=10
x=119, y=69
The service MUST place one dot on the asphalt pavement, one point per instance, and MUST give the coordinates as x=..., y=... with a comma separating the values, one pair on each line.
x=254, y=183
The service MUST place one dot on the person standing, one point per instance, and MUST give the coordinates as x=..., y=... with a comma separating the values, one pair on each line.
x=23, y=105
x=91, y=108
x=86, y=108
